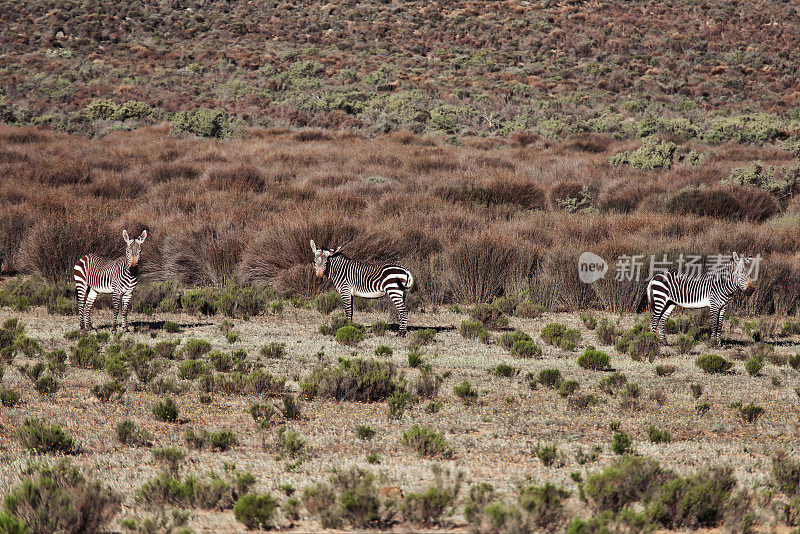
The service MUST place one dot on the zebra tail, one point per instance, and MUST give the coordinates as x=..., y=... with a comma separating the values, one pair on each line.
x=646, y=302
x=410, y=286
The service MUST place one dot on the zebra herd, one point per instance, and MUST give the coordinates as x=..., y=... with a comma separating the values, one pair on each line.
x=665, y=291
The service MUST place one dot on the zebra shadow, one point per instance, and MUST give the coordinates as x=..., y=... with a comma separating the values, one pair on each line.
x=395, y=327
x=147, y=326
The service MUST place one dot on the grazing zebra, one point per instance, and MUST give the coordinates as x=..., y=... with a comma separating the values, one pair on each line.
x=713, y=290
x=372, y=281
x=94, y=275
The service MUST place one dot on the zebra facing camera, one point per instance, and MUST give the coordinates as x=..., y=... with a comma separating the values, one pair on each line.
x=591, y=267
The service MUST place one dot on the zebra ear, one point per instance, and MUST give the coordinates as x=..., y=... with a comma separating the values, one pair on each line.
x=127, y=239
x=735, y=257
x=313, y=246
x=142, y=237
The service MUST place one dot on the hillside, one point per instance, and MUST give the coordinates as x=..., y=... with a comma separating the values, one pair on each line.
x=629, y=68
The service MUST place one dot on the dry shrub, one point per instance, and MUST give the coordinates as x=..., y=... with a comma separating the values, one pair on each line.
x=588, y=142
x=115, y=186
x=14, y=222
x=483, y=266
x=284, y=244
x=516, y=191
x=61, y=237
x=755, y=204
x=311, y=135
x=240, y=178
x=164, y=172
x=705, y=202
x=560, y=277
x=522, y=139
x=206, y=253
x=625, y=196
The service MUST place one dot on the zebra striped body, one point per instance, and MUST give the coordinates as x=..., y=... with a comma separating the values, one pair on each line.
x=713, y=291
x=356, y=279
x=94, y=275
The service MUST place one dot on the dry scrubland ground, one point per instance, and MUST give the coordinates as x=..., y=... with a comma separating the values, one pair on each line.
x=493, y=438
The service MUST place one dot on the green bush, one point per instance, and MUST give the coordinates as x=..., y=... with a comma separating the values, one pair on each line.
x=472, y=329
x=9, y=397
x=43, y=438
x=613, y=382
x=290, y=442
x=379, y=328
x=549, y=377
x=628, y=479
x=489, y=316
x=685, y=344
x=383, y=351
x=203, y=122
x=697, y=500
x=794, y=361
x=658, y=436
x=223, y=440
x=356, y=380
x=104, y=392
x=87, y=354
x=606, y=332
x=639, y=343
x=171, y=327
x=508, y=339
x=428, y=508
x=621, y=443
x=170, y=458
x=398, y=402
x=465, y=392
x=166, y=349
x=414, y=357
x=665, y=370
x=526, y=349
x=336, y=322
x=255, y=511
x=593, y=359
x=786, y=473
x=713, y=363
x=350, y=335
x=46, y=385
x=548, y=454
x=426, y=442
x=195, y=348
x=504, y=370
x=558, y=335
x=166, y=410
x=117, y=367
x=753, y=366
x=191, y=369
x=653, y=154
x=424, y=336
x=589, y=321
x=544, y=504
x=568, y=387
x=129, y=434
x=750, y=412
x=365, y=432
x=58, y=498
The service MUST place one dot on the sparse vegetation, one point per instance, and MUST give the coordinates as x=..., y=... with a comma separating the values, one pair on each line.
x=713, y=363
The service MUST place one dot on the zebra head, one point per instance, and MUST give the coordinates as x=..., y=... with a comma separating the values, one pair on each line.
x=134, y=248
x=741, y=273
x=321, y=256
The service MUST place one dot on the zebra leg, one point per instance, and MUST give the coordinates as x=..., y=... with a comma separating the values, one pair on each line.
x=80, y=295
x=116, y=297
x=662, y=320
x=655, y=320
x=715, y=323
x=721, y=320
x=87, y=308
x=126, y=304
x=347, y=300
x=398, y=298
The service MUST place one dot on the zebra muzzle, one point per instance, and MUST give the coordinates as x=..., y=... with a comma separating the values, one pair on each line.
x=750, y=289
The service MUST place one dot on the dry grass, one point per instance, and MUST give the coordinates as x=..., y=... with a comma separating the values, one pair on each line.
x=492, y=438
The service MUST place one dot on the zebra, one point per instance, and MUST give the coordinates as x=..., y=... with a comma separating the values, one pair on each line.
x=712, y=290
x=353, y=278
x=94, y=275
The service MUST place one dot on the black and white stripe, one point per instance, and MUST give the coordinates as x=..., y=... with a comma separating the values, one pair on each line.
x=94, y=275
x=352, y=278
x=712, y=290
